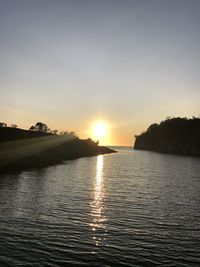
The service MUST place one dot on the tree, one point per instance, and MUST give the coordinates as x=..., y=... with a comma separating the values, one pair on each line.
x=32, y=128
x=64, y=133
x=70, y=134
x=152, y=127
x=13, y=125
x=97, y=142
x=92, y=142
x=73, y=134
x=3, y=124
x=54, y=131
x=40, y=127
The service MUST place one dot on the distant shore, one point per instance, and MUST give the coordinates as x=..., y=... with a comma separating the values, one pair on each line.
x=22, y=149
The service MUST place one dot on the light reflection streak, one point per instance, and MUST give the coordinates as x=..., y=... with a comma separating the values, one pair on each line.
x=98, y=221
x=12, y=151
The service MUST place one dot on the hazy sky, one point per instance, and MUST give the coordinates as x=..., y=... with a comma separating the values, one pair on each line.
x=69, y=63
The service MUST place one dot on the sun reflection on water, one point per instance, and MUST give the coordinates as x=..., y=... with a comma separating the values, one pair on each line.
x=98, y=218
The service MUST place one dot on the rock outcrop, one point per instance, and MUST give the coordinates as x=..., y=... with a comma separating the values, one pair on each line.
x=174, y=135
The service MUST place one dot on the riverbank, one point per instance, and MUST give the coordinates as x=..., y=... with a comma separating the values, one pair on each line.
x=21, y=149
x=179, y=136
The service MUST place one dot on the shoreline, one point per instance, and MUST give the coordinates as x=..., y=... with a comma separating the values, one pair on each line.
x=19, y=153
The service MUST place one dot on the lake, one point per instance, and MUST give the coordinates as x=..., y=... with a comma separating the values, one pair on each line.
x=131, y=208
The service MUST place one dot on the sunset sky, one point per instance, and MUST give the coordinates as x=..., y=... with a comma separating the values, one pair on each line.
x=128, y=63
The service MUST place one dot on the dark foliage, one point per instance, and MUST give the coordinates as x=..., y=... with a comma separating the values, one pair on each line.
x=14, y=125
x=21, y=149
x=173, y=135
x=11, y=133
x=3, y=124
x=40, y=127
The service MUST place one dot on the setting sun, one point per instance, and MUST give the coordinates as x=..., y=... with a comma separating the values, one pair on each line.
x=100, y=129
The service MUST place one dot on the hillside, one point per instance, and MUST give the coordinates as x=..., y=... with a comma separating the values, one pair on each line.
x=176, y=136
x=22, y=149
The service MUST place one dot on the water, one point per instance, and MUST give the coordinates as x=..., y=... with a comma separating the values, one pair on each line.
x=133, y=208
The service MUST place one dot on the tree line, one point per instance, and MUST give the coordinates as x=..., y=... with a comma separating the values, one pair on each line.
x=4, y=124
x=42, y=127
x=172, y=135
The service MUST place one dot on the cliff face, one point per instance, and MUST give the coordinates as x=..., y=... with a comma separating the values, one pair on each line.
x=175, y=136
x=20, y=149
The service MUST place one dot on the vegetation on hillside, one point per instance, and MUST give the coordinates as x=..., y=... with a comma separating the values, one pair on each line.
x=38, y=147
x=40, y=127
x=173, y=135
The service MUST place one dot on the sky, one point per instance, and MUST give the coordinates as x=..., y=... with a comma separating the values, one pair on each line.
x=70, y=63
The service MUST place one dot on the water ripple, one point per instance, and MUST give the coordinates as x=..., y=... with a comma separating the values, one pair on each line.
x=126, y=209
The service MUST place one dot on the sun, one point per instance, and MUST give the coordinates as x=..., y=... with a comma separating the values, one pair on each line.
x=100, y=129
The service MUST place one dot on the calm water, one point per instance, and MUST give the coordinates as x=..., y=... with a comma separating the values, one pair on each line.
x=133, y=208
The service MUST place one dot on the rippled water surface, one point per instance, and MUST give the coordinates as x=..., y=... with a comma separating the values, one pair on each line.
x=133, y=208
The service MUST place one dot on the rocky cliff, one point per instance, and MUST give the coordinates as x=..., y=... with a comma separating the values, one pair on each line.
x=173, y=135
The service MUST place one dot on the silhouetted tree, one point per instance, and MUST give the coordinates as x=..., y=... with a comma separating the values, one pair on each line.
x=64, y=133
x=152, y=127
x=3, y=124
x=32, y=128
x=54, y=131
x=92, y=142
x=73, y=134
x=13, y=125
x=70, y=134
x=40, y=127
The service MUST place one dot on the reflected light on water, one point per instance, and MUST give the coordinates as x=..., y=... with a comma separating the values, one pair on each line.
x=99, y=171
x=97, y=205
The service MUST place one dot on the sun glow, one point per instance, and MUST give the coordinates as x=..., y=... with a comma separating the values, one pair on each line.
x=100, y=131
